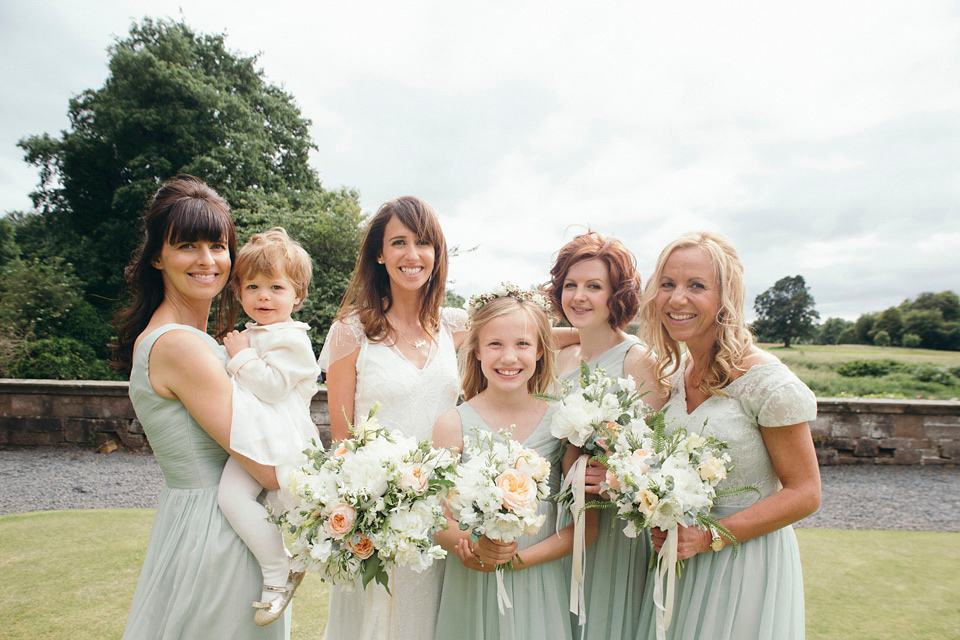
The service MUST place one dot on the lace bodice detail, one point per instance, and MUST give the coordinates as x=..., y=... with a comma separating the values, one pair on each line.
x=411, y=399
x=767, y=395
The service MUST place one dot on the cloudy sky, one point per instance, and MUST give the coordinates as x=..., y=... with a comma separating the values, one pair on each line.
x=822, y=137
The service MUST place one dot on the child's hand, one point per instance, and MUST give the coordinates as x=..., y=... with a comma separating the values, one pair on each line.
x=235, y=342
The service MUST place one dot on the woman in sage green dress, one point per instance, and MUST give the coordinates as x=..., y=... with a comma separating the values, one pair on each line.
x=724, y=386
x=198, y=578
x=506, y=358
x=595, y=286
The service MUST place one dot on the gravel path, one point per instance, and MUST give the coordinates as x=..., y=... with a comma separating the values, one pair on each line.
x=875, y=497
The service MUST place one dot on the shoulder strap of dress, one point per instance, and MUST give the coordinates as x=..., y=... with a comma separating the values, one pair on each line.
x=146, y=345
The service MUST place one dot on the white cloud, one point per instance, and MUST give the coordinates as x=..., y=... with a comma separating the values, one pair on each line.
x=820, y=136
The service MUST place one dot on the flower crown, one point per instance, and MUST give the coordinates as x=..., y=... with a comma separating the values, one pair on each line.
x=505, y=290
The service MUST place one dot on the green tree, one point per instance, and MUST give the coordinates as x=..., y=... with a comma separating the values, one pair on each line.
x=946, y=302
x=925, y=323
x=175, y=101
x=848, y=336
x=786, y=311
x=889, y=321
x=881, y=338
x=910, y=340
x=863, y=326
x=831, y=330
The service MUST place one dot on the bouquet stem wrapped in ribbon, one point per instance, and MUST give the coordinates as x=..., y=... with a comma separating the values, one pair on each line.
x=497, y=489
x=371, y=503
x=592, y=418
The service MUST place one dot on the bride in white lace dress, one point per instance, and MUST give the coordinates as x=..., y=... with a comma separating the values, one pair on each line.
x=393, y=344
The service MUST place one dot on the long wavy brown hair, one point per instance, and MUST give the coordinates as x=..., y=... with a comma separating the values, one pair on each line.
x=184, y=209
x=368, y=293
x=733, y=338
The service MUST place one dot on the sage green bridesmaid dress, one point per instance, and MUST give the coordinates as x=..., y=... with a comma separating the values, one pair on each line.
x=468, y=601
x=198, y=578
x=616, y=569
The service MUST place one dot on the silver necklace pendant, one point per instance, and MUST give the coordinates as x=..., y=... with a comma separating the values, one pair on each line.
x=419, y=344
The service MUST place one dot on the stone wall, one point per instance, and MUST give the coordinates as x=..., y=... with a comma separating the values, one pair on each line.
x=847, y=431
x=868, y=431
x=94, y=414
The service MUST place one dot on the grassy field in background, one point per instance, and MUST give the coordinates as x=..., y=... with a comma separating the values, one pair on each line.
x=70, y=575
x=817, y=366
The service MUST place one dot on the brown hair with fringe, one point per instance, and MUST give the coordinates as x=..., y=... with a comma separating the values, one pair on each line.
x=273, y=253
x=625, y=282
x=368, y=293
x=733, y=338
x=471, y=375
x=184, y=209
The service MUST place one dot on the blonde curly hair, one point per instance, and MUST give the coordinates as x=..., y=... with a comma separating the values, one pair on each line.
x=733, y=338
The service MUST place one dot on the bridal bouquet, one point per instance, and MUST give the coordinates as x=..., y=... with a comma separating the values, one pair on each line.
x=371, y=503
x=496, y=493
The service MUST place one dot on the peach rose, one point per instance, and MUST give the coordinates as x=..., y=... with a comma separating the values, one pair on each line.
x=519, y=489
x=415, y=478
x=611, y=480
x=638, y=458
x=646, y=501
x=340, y=450
x=341, y=520
x=531, y=463
x=361, y=546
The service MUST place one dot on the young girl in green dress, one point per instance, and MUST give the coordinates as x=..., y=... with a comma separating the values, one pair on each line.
x=507, y=357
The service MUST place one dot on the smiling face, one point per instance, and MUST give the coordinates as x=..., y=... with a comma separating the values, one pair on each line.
x=408, y=260
x=268, y=299
x=688, y=297
x=586, y=294
x=194, y=270
x=508, y=351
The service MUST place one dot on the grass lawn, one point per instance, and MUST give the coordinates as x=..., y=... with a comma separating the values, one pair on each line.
x=71, y=575
x=817, y=366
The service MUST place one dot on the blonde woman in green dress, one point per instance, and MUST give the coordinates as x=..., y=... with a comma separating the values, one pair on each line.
x=722, y=385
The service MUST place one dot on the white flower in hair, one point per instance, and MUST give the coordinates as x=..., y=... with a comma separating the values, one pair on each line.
x=505, y=290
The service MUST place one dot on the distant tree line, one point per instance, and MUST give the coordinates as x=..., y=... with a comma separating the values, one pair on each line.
x=786, y=313
x=930, y=321
x=175, y=101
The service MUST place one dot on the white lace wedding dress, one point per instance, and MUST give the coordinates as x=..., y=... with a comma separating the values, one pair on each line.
x=411, y=400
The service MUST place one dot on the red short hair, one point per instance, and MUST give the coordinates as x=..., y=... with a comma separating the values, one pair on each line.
x=625, y=282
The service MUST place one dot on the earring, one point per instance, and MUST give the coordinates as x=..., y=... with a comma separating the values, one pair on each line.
x=379, y=260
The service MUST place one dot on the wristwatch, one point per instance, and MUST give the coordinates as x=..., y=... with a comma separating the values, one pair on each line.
x=716, y=541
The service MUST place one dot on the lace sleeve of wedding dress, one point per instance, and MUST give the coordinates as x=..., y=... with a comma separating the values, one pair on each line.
x=779, y=398
x=454, y=318
x=345, y=337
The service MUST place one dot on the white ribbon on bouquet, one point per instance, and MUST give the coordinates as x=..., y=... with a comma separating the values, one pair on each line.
x=666, y=571
x=576, y=478
x=379, y=612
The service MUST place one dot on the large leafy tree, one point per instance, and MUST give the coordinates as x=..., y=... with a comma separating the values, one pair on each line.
x=786, y=311
x=175, y=101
